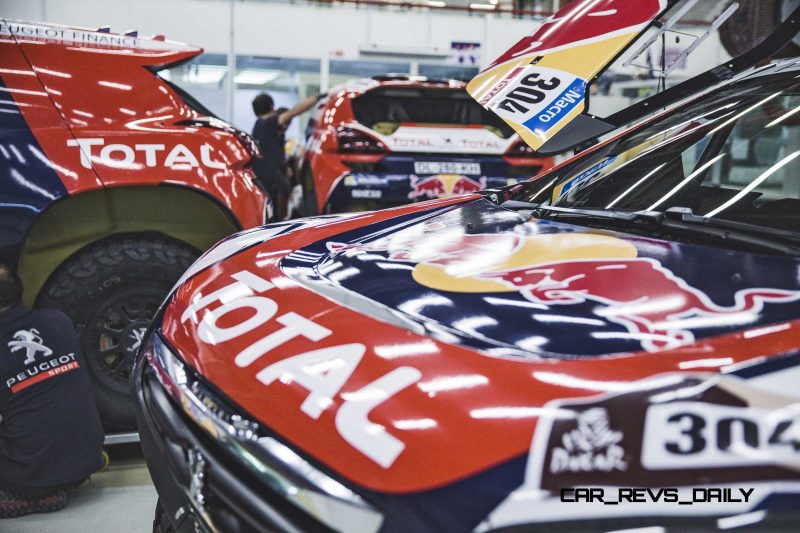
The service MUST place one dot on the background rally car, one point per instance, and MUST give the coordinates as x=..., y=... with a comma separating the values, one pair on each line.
x=613, y=345
x=394, y=139
x=111, y=183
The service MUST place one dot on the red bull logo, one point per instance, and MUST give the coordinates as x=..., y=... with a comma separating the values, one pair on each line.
x=443, y=185
x=656, y=307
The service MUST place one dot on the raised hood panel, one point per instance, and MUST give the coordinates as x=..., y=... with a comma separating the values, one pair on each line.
x=540, y=84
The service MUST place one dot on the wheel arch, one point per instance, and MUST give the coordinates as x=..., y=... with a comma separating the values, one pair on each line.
x=75, y=222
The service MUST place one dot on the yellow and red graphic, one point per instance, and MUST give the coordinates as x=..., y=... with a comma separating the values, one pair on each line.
x=539, y=85
x=441, y=185
x=655, y=305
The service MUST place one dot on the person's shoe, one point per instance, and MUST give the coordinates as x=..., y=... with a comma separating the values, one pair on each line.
x=12, y=505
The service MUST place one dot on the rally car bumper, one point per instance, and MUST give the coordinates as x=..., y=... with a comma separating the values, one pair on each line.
x=398, y=179
x=216, y=471
x=389, y=190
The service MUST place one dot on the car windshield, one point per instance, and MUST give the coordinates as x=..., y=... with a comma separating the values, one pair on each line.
x=732, y=155
x=386, y=106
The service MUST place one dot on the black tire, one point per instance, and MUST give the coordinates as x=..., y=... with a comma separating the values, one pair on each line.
x=161, y=523
x=111, y=290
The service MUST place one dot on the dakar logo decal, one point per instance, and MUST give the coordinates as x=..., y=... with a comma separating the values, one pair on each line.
x=30, y=341
x=592, y=446
x=656, y=307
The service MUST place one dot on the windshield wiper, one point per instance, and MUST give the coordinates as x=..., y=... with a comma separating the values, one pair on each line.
x=676, y=220
x=684, y=214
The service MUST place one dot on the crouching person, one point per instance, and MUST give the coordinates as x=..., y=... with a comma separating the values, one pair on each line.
x=50, y=433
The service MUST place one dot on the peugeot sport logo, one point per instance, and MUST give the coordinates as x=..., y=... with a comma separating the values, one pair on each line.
x=31, y=342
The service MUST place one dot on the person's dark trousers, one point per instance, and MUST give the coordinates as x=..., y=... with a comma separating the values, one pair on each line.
x=278, y=188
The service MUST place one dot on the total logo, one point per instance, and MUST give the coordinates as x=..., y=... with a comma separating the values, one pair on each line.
x=444, y=185
x=400, y=143
x=118, y=155
x=323, y=371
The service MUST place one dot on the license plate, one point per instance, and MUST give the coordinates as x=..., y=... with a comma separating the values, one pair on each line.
x=431, y=167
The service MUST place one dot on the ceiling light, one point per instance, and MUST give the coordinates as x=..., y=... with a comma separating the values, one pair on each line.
x=485, y=7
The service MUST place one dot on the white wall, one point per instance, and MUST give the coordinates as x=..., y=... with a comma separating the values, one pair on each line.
x=275, y=29
x=264, y=28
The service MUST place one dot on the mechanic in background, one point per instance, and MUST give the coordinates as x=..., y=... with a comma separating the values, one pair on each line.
x=50, y=433
x=269, y=133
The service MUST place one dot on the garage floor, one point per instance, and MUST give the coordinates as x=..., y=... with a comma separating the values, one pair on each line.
x=119, y=500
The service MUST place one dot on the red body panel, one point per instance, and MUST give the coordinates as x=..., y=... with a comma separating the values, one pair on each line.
x=483, y=425
x=584, y=22
x=328, y=166
x=120, y=124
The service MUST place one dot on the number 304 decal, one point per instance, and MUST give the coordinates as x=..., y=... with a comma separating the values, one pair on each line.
x=539, y=98
x=697, y=435
x=531, y=90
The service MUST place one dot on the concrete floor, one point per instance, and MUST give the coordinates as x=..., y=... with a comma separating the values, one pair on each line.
x=120, y=499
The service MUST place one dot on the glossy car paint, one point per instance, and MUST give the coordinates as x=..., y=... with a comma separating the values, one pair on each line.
x=458, y=364
x=464, y=387
x=468, y=306
x=339, y=183
x=83, y=111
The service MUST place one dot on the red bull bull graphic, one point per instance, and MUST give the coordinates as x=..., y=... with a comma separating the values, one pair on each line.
x=582, y=290
x=443, y=185
x=654, y=305
x=465, y=185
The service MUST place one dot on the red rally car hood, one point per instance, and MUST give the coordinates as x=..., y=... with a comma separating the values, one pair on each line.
x=410, y=348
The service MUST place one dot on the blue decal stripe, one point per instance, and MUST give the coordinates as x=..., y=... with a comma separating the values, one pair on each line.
x=28, y=184
x=775, y=364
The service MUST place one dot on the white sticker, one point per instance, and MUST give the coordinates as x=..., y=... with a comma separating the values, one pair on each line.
x=539, y=98
x=703, y=435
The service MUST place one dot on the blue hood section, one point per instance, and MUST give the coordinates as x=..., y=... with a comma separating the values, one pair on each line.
x=485, y=277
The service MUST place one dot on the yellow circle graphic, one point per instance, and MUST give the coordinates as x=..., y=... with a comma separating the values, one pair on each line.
x=530, y=251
